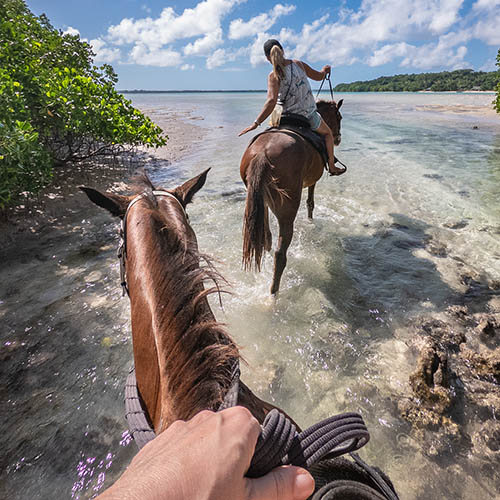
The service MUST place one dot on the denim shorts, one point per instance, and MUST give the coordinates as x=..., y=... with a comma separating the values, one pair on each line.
x=314, y=120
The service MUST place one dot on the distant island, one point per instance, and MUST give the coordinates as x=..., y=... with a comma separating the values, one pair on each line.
x=461, y=80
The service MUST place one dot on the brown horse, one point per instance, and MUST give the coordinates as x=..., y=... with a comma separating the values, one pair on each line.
x=275, y=168
x=183, y=357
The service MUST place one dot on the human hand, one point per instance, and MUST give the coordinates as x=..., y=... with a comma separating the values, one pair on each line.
x=252, y=127
x=327, y=69
x=207, y=458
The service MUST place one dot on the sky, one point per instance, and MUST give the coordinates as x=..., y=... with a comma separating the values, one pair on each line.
x=217, y=44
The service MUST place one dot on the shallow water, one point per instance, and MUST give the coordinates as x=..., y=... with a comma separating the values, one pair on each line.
x=391, y=239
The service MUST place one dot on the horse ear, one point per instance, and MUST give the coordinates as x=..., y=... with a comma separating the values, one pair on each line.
x=114, y=203
x=191, y=187
x=340, y=103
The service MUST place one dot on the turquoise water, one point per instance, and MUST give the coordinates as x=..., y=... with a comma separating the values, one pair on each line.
x=338, y=338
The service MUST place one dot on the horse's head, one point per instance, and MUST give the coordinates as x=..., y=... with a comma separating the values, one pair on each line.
x=152, y=218
x=330, y=112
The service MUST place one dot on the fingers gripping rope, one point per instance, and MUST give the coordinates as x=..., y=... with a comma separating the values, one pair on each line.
x=280, y=444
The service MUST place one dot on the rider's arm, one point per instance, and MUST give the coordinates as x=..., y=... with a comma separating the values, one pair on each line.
x=313, y=74
x=273, y=88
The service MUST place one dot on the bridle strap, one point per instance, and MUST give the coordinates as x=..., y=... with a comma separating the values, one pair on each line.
x=122, y=245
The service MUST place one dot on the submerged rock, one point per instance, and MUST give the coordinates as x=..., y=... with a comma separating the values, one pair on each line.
x=455, y=386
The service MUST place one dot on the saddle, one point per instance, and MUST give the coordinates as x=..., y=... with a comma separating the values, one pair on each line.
x=300, y=125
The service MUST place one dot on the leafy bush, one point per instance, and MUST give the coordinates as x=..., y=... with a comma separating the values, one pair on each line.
x=55, y=105
x=25, y=164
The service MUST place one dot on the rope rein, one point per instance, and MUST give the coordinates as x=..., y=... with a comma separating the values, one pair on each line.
x=327, y=77
x=280, y=444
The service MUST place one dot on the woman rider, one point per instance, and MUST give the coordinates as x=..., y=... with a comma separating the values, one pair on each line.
x=288, y=84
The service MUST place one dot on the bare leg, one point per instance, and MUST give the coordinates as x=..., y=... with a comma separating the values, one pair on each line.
x=284, y=240
x=325, y=131
x=310, y=201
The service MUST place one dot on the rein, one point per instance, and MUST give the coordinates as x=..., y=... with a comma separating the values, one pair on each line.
x=327, y=77
x=279, y=443
x=122, y=245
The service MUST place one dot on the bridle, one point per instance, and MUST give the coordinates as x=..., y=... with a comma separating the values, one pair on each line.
x=122, y=245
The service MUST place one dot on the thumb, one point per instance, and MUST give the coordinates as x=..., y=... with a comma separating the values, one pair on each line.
x=282, y=483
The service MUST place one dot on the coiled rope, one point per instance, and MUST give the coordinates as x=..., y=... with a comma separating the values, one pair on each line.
x=280, y=444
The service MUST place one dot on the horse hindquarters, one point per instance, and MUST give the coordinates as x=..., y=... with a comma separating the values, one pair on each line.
x=256, y=234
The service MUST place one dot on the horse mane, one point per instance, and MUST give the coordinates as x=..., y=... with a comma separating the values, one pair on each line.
x=201, y=354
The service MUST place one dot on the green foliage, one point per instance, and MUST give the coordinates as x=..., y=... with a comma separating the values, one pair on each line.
x=496, y=102
x=460, y=80
x=56, y=102
x=24, y=164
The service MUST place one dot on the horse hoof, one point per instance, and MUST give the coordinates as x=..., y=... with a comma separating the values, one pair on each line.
x=268, y=302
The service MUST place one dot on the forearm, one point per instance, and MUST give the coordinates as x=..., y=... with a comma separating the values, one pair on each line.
x=317, y=75
x=266, y=110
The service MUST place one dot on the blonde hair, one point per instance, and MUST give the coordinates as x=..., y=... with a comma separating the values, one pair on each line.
x=278, y=61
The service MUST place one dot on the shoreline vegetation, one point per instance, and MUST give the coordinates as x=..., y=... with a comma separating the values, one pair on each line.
x=56, y=107
x=462, y=80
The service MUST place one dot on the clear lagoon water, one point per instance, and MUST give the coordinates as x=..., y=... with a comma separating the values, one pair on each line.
x=338, y=338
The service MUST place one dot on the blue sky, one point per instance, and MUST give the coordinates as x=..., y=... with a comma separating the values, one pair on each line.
x=217, y=44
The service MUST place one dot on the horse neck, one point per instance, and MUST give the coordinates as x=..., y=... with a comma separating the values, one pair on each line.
x=189, y=357
x=330, y=118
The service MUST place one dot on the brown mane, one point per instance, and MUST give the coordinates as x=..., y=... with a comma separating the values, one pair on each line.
x=201, y=354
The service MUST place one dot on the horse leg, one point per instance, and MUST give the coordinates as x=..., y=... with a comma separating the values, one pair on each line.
x=284, y=240
x=310, y=201
x=268, y=238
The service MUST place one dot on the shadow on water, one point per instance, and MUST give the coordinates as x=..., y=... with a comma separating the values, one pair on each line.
x=64, y=358
x=385, y=274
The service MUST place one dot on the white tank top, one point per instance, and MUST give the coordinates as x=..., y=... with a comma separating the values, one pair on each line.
x=295, y=94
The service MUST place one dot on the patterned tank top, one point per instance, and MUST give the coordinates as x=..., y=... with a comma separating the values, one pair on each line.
x=295, y=93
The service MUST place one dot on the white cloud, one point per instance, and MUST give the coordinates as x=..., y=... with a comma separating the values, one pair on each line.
x=104, y=54
x=412, y=33
x=187, y=67
x=486, y=4
x=388, y=53
x=489, y=66
x=71, y=31
x=169, y=27
x=205, y=45
x=448, y=52
x=379, y=31
x=145, y=56
x=223, y=56
x=433, y=56
x=240, y=29
x=218, y=58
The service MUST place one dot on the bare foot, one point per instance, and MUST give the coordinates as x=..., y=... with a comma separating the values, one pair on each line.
x=332, y=170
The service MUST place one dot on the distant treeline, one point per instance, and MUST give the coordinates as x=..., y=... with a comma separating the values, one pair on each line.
x=460, y=80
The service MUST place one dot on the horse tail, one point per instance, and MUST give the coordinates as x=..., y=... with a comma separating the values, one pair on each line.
x=258, y=181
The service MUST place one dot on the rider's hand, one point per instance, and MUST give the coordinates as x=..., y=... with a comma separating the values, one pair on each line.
x=326, y=69
x=207, y=458
x=252, y=127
